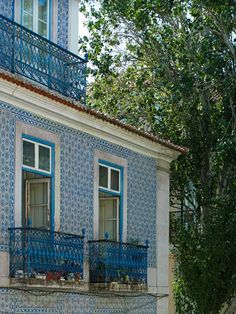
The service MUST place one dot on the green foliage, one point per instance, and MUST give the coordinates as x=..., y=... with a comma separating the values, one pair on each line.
x=168, y=67
x=206, y=275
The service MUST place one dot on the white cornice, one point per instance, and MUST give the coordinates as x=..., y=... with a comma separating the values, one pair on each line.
x=57, y=112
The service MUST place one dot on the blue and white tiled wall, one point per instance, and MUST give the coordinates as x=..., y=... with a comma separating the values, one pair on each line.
x=25, y=302
x=6, y=9
x=63, y=22
x=77, y=176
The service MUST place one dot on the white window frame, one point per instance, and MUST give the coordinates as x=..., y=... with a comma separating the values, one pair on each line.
x=36, y=16
x=36, y=152
x=109, y=168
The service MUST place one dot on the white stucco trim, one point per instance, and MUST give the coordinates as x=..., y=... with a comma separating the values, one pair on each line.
x=162, y=234
x=22, y=128
x=4, y=269
x=73, y=33
x=17, y=11
x=152, y=279
x=81, y=121
x=120, y=162
x=54, y=26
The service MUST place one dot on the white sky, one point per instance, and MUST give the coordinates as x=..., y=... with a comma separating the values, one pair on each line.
x=82, y=29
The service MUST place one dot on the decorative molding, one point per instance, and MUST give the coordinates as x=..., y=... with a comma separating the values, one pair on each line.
x=73, y=34
x=4, y=248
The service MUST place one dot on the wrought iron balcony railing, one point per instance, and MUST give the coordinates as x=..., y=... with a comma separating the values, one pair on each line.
x=39, y=251
x=30, y=55
x=111, y=261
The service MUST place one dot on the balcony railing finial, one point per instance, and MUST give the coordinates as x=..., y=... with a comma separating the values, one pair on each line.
x=83, y=232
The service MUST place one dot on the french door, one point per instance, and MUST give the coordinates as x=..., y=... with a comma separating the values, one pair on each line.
x=109, y=217
x=37, y=201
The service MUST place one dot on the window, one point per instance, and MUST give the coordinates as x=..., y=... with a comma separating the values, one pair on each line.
x=110, y=201
x=37, y=183
x=35, y=16
x=109, y=178
x=36, y=156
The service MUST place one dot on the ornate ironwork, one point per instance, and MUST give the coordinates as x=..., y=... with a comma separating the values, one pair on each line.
x=115, y=261
x=35, y=250
x=28, y=54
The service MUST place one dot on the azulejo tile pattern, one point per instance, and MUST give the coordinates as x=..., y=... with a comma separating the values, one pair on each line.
x=12, y=301
x=7, y=136
x=63, y=17
x=6, y=8
x=77, y=162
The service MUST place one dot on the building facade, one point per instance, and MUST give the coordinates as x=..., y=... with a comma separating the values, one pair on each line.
x=84, y=201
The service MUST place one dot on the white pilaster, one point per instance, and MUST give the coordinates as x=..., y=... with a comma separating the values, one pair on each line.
x=162, y=241
x=73, y=34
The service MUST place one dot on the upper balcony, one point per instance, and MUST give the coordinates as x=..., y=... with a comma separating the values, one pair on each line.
x=28, y=54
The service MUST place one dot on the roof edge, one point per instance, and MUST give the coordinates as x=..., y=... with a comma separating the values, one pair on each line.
x=15, y=79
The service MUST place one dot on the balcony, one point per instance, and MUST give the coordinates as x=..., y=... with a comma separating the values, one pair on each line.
x=37, y=253
x=26, y=53
x=117, y=263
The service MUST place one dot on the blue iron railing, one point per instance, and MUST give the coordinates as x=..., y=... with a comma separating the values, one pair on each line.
x=119, y=262
x=40, y=251
x=30, y=55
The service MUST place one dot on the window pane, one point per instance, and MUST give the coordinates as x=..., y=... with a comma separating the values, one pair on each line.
x=44, y=158
x=103, y=177
x=111, y=209
x=28, y=154
x=42, y=29
x=110, y=227
x=28, y=21
x=28, y=6
x=43, y=10
x=38, y=206
x=115, y=178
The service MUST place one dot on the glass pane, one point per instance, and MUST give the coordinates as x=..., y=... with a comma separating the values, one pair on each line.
x=42, y=29
x=28, y=21
x=28, y=154
x=43, y=10
x=110, y=211
x=28, y=6
x=115, y=178
x=44, y=158
x=39, y=204
x=39, y=194
x=110, y=227
x=103, y=177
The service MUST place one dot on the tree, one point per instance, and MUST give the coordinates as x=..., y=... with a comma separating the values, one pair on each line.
x=169, y=67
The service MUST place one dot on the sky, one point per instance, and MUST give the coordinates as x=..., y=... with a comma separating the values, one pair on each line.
x=82, y=29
